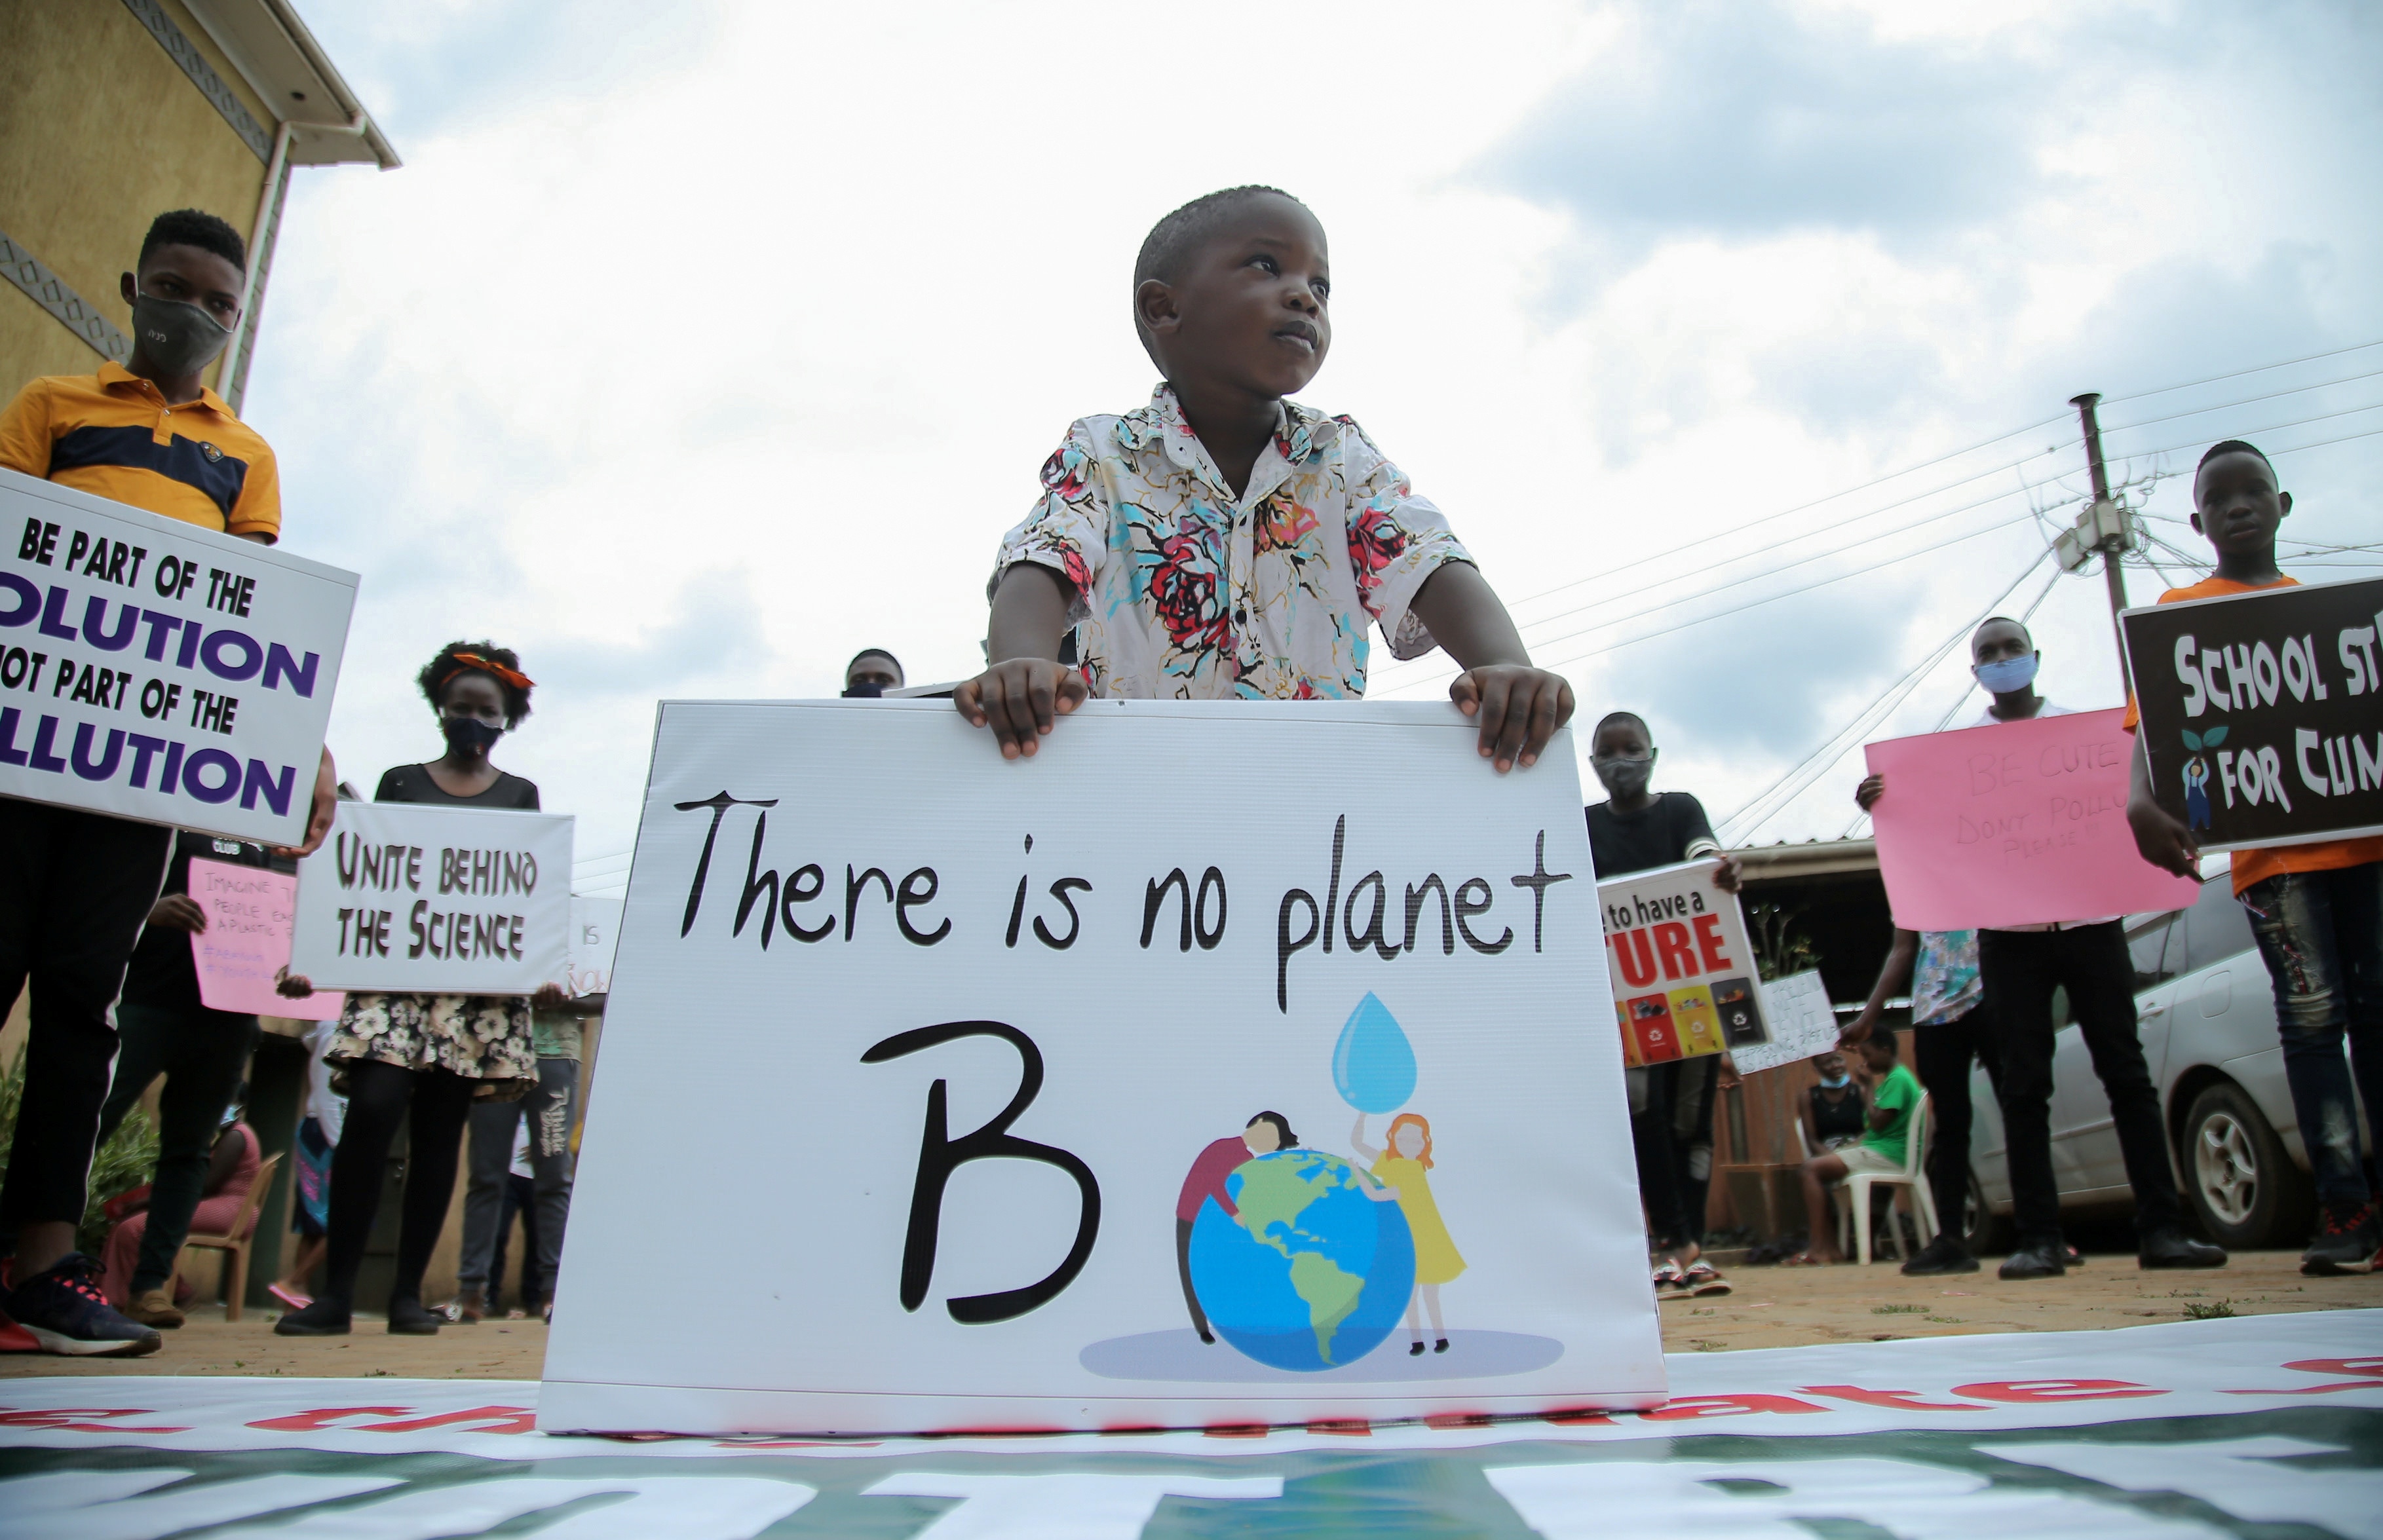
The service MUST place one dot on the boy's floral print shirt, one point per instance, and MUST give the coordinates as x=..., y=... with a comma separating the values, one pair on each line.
x=1184, y=592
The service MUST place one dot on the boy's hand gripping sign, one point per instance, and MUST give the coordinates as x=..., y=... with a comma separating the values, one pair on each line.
x=1685, y=981
x=153, y=670
x=1115, y=1087
x=2020, y=823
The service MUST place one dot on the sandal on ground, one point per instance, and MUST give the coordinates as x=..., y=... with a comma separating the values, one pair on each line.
x=1671, y=1282
x=1702, y=1279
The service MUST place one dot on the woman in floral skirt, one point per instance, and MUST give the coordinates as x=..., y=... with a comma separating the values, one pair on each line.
x=424, y=1059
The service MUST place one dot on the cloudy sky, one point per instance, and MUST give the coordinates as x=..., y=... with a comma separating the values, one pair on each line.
x=697, y=347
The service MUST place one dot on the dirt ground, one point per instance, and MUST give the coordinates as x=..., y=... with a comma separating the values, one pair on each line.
x=1770, y=1306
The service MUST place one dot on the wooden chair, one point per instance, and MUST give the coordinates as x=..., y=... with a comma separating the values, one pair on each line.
x=235, y=1242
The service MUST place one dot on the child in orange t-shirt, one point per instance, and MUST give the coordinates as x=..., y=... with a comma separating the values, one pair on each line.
x=2317, y=909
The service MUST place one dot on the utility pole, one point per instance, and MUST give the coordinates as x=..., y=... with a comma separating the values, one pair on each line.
x=2104, y=527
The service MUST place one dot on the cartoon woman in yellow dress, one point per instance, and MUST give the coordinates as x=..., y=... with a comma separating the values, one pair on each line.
x=1400, y=1170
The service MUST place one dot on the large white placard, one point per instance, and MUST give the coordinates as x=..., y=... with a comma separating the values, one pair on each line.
x=925, y=1054
x=156, y=671
x=594, y=934
x=435, y=900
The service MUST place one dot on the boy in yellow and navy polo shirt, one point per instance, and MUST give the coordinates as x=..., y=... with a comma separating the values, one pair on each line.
x=77, y=887
x=2317, y=909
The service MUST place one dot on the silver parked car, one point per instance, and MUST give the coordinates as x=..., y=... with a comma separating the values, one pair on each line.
x=2208, y=1028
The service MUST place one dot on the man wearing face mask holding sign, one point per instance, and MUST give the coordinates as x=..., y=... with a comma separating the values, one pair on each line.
x=2020, y=968
x=75, y=886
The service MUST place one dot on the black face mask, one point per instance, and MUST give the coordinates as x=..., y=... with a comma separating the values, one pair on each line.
x=865, y=690
x=1623, y=779
x=470, y=736
x=177, y=336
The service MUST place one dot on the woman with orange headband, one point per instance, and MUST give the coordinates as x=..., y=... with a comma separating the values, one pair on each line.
x=425, y=1059
x=1402, y=1167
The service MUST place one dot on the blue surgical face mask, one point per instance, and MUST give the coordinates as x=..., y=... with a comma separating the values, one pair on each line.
x=2007, y=676
x=1840, y=1083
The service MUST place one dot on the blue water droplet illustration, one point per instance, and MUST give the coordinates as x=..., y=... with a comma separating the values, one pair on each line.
x=1373, y=1064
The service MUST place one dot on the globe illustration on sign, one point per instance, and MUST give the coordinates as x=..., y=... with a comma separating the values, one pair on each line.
x=1314, y=1275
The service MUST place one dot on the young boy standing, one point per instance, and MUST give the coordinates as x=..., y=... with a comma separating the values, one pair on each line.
x=1224, y=542
x=76, y=887
x=2317, y=909
x=1672, y=1104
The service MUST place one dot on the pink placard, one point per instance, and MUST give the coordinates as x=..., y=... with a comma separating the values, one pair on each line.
x=246, y=943
x=2019, y=823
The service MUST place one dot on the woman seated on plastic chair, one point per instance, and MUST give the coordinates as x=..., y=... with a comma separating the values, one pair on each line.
x=231, y=1171
x=1882, y=1148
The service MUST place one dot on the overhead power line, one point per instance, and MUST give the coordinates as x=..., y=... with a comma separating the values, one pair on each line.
x=2237, y=374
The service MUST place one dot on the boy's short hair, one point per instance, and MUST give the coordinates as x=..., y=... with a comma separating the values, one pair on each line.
x=191, y=226
x=2233, y=446
x=1884, y=1042
x=1176, y=237
x=1611, y=717
x=875, y=652
x=2004, y=620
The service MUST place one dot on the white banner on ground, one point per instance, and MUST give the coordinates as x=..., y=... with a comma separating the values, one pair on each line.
x=1086, y=977
x=1684, y=974
x=434, y=900
x=154, y=670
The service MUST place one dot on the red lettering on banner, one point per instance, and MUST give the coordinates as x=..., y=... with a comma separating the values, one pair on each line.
x=2368, y=1366
x=2040, y=1392
x=1688, y=1407
x=1708, y=943
x=1900, y=1400
x=508, y=1419
x=70, y=1419
x=1671, y=945
x=318, y=1421
x=1345, y=1428
x=1579, y=1419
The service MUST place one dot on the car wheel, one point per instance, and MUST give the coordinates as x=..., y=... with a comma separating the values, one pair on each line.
x=2241, y=1184
x=1984, y=1232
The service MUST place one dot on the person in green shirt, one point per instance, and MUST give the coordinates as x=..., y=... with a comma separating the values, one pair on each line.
x=1886, y=1144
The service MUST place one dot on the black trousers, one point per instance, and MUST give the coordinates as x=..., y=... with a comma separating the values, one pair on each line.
x=1671, y=1138
x=203, y=1054
x=75, y=890
x=1183, y=1268
x=1940, y=1055
x=2022, y=968
x=432, y=1104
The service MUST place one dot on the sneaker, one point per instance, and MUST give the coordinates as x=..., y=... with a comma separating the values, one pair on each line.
x=154, y=1307
x=408, y=1317
x=2346, y=1241
x=1942, y=1255
x=322, y=1317
x=2035, y=1261
x=2175, y=1249
x=65, y=1313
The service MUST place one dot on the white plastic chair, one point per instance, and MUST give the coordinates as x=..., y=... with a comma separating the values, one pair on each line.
x=1855, y=1186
